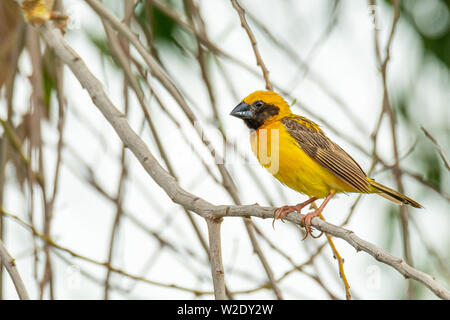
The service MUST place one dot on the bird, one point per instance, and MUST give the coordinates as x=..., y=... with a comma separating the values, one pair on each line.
x=296, y=151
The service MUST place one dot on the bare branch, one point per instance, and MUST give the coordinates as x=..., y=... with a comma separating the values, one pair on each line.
x=340, y=261
x=259, y=60
x=438, y=147
x=10, y=266
x=215, y=252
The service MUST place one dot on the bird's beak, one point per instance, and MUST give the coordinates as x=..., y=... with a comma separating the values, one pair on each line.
x=242, y=111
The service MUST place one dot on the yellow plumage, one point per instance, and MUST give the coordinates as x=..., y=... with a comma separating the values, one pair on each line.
x=296, y=169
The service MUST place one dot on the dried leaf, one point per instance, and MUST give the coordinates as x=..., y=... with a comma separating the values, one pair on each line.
x=37, y=11
x=10, y=27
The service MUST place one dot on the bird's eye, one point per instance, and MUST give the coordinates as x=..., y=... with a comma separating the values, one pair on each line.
x=258, y=104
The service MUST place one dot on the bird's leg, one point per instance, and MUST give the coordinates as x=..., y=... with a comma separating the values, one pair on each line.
x=283, y=211
x=306, y=219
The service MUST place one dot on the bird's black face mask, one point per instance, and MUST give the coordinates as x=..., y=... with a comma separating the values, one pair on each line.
x=255, y=114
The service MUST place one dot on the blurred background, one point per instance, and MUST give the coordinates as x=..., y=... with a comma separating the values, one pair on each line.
x=74, y=200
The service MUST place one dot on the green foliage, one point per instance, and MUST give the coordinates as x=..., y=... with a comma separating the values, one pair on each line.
x=105, y=51
x=430, y=164
x=49, y=84
x=399, y=102
x=156, y=22
x=101, y=44
x=436, y=43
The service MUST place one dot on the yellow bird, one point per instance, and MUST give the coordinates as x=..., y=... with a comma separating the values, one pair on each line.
x=298, y=153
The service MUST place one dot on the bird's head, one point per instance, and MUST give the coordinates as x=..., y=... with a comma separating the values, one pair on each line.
x=261, y=107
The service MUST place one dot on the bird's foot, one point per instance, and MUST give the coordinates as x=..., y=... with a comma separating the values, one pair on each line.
x=306, y=221
x=283, y=211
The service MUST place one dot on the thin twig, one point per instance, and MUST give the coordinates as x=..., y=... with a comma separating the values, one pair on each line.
x=10, y=266
x=259, y=60
x=438, y=147
x=339, y=259
x=215, y=251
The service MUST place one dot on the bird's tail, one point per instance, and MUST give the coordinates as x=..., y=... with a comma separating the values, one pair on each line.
x=393, y=195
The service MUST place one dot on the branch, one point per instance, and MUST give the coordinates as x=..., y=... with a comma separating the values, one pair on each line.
x=10, y=266
x=340, y=261
x=438, y=147
x=192, y=202
x=259, y=60
x=215, y=252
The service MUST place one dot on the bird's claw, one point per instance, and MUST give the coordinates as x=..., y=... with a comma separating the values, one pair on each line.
x=278, y=215
x=306, y=221
x=282, y=212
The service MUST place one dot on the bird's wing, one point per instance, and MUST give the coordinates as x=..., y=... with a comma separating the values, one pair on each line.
x=328, y=154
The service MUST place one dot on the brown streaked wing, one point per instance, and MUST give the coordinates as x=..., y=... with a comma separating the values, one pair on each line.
x=327, y=153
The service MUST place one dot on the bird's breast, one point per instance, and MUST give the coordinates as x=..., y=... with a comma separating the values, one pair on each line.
x=278, y=152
